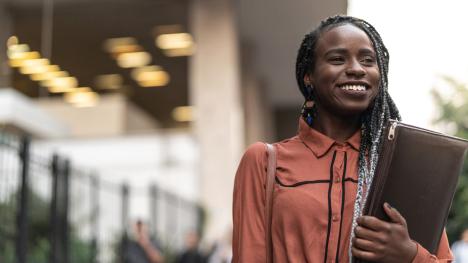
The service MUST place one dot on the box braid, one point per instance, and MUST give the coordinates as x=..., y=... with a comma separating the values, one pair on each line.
x=373, y=119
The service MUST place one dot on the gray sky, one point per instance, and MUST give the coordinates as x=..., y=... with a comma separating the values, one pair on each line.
x=426, y=40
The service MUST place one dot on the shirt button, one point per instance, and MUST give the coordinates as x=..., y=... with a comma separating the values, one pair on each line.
x=337, y=179
x=335, y=218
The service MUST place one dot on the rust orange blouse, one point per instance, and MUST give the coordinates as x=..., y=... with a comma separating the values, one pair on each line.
x=316, y=183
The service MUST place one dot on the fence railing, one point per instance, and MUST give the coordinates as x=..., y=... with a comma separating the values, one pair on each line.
x=52, y=211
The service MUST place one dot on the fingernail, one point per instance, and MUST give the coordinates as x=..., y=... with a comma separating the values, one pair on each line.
x=388, y=206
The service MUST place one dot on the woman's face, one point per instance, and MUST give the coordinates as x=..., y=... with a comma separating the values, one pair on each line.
x=346, y=75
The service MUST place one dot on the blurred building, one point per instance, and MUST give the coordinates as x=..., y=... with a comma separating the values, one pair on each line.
x=155, y=81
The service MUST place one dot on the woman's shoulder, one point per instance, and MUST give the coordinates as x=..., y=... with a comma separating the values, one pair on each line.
x=253, y=162
x=260, y=148
x=255, y=150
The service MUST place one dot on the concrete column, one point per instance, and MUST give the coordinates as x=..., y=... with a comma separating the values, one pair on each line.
x=259, y=120
x=216, y=94
x=5, y=32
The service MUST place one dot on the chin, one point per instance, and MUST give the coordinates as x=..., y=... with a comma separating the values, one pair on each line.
x=353, y=110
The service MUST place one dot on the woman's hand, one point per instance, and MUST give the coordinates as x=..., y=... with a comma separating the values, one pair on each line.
x=380, y=241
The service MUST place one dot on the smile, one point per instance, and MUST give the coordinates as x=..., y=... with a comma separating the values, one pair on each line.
x=353, y=87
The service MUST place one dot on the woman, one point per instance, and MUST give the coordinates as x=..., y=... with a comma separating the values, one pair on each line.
x=322, y=173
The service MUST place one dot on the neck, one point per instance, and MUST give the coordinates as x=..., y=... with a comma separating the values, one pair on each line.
x=339, y=128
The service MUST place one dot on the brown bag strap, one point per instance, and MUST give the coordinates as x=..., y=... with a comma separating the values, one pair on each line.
x=270, y=180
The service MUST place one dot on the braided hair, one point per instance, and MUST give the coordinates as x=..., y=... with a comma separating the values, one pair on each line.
x=373, y=119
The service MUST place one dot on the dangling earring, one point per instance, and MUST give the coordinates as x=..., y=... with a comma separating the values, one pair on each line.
x=308, y=109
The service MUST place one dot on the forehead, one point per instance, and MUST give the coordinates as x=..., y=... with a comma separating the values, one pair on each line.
x=345, y=36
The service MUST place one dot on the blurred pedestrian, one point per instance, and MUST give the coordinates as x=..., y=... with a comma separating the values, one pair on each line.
x=142, y=248
x=191, y=254
x=460, y=248
x=221, y=251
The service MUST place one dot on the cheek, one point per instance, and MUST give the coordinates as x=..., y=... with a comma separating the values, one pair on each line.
x=375, y=79
x=375, y=76
x=327, y=75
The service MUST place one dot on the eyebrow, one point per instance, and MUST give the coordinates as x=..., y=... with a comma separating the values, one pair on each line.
x=344, y=50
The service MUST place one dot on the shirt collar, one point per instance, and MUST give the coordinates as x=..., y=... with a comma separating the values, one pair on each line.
x=320, y=144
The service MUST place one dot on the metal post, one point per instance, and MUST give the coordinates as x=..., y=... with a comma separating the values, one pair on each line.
x=153, y=191
x=22, y=214
x=53, y=218
x=200, y=217
x=65, y=194
x=168, y=216
x=125, y=200
x=59, y=237
x=94, y=217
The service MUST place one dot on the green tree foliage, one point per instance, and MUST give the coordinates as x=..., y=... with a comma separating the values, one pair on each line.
x=38, y=229
x=454, y=115
x=39, y=232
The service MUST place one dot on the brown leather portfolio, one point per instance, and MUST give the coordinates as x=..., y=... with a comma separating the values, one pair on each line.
x=417, y=174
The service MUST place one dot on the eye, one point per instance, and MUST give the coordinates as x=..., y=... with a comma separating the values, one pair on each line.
x=336, y=60
x=368, y=60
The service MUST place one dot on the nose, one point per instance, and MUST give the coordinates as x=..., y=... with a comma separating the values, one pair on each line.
x=355, y=69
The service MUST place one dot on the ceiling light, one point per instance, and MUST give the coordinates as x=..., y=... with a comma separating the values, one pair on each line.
x=112, y=43
x=137, y=73
x=61, y=84
x=150, y=76
x=13, y=40
x=17, y=59
x=18, y=48
x=161, y=79
x=126, y=49
x=180, y=52
x=48, y=75
x=173, y=41
x=34, y=63
x=60, y=89
x=24, y=55
x=183, y=113
x=133, y=59
x=38, y=69
x=82, y=97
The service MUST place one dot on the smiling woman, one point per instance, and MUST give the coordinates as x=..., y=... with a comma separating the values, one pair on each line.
x=322, y=173
x=346, y=75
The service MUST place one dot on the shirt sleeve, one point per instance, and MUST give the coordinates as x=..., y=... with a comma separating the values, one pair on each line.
x=444, y=254
x=249, y=206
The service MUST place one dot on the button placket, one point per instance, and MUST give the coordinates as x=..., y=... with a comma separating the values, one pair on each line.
x=335, y=218
x=338, y=167
x=337, y=179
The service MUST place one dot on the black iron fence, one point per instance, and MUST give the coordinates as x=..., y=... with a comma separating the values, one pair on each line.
x=51, y=211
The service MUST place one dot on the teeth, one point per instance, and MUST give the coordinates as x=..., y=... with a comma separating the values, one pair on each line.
x=354, y=87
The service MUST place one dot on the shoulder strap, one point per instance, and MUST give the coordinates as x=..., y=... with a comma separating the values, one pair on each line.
x=270, y=180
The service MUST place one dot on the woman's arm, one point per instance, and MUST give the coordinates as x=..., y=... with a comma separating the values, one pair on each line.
x=143, y=239
x=249, y=206
x=381, y=241
x=153, y=254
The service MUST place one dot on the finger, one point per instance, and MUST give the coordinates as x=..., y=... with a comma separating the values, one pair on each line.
x=394, y=215
x=365, y=233
x=362, y=254
x=373, y=223
x=363, y=244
